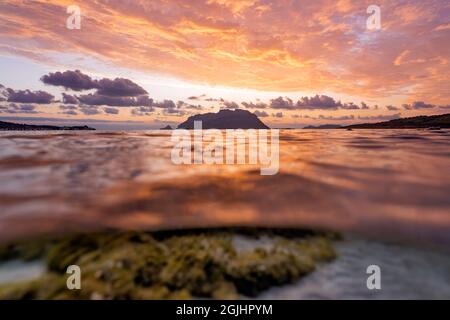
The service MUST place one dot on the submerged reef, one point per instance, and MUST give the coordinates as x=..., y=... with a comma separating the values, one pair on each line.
x=169, y=265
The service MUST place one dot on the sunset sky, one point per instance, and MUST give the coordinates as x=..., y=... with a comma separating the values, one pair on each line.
x=143, y=64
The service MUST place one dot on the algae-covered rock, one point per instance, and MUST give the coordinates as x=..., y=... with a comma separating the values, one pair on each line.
x=176, y=265
x=25, y=251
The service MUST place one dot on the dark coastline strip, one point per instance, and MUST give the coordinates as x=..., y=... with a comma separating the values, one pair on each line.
x=9, y=126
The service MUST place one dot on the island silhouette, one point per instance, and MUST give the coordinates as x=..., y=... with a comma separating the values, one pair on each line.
x=225, y=119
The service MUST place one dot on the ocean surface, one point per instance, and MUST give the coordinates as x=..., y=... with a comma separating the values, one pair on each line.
x=385, y=187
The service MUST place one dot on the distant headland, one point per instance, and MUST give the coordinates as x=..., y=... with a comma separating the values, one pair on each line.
x=10, y=126
x=225, y=119
x=419, y=122
x=439, y=121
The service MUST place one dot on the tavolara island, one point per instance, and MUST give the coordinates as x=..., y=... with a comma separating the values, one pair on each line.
x=225, y=119
x=9, y=126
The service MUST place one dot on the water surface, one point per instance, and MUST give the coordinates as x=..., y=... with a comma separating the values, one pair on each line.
x=388, y=184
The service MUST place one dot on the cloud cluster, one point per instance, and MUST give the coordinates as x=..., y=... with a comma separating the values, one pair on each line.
x=257, y=105
x=109, y=110
x=78, y=81
x=278, y=115
x=326, y=103
x=15, y=108
x=380, y=117
x=317, y=102
x=184, y=105
x=230, y=105
x=167, y=107
x=119, y=87
x=74, y=80
x=69, y=99
x=392, y=108
x=200, y=97
x=261, y=114
x=28, y=96
x=340, y=118
x=417, y=105
x=95, y=99
x=69, y=110
x=142, y=111
x=109, y=93
x=118, y=92
x=74, y=110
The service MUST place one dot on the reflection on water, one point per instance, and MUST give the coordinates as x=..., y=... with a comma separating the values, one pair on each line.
x=384, y=183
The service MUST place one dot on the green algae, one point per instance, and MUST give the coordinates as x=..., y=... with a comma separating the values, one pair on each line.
x=168, y=265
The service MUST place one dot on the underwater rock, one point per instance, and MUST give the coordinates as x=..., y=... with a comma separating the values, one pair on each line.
x=168, y=265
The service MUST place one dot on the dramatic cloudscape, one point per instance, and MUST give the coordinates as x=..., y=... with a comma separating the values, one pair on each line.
x=293, y=63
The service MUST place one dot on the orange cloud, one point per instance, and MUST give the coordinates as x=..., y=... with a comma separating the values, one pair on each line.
x=316, y=46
